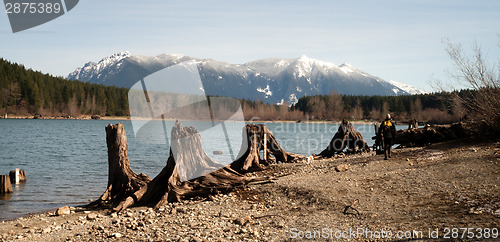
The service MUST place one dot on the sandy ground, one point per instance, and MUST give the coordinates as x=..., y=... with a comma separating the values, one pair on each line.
x=450, y=190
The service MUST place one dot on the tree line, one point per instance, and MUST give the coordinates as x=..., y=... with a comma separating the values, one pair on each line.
x=441, y=107
x=27, y=92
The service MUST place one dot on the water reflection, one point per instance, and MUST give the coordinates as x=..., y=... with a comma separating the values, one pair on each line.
x=5, y=197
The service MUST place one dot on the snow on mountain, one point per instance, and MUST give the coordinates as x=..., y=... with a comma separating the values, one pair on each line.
x=406, y=88
x=266, y=91
x=347, y=68
x=273, y=80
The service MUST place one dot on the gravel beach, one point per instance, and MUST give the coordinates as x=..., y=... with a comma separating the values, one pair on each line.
x=418, y=194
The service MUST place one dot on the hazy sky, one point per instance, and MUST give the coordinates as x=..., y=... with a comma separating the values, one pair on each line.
x=395, y=40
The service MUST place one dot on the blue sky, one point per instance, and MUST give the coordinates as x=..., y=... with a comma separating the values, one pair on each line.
x=395, y=40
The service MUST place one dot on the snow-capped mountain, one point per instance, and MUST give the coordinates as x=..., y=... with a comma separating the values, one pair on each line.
x=272, y=80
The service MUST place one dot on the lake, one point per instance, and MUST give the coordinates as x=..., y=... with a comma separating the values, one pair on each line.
x=66, y=160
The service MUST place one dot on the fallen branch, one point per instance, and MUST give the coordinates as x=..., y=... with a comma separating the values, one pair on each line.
x=352, y=208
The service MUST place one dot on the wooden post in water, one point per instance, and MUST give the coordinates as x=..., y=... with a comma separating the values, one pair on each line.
x=17, y=176
x=5, y=185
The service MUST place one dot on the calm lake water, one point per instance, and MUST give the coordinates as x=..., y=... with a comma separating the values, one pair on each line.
x=66, y=160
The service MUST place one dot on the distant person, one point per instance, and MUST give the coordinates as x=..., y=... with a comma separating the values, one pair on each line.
x=387, y=132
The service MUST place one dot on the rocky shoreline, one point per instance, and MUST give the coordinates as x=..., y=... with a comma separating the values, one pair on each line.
x=450, y=185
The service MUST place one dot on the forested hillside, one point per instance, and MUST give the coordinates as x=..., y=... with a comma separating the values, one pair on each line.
x=27, y=92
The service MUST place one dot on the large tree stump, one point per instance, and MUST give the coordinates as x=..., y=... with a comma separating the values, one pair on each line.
x=5, y=185
x=122, y=181
x=346, y=137
x=168, y=186
x=17, y=176
x=259, y=138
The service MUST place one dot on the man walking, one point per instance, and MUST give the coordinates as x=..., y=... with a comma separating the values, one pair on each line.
x=387, y=132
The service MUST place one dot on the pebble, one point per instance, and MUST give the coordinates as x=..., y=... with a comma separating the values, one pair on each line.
x=497, y=213
x=92, y=216
x=342, y=167
x=63, y=211
x=474, y=211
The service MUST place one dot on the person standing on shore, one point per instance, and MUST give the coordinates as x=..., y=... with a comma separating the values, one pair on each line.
x=387, y=132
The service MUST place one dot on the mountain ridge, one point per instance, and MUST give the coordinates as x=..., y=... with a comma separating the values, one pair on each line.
x=272, y=80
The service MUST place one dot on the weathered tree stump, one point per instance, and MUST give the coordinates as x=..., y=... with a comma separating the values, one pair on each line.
x=5, y=185
x=260, y=138
x=17, y=176
x=346, y=137
x=122, y=181
x=168, y=186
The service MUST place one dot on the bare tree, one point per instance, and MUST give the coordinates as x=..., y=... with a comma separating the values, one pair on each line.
x=416, y=109
x=457, y=108
x=318, y=107
x=480, y=76
x=73, y=109
x=375, y=113
x=385, y=110
x=357, y=113
x=336, y=106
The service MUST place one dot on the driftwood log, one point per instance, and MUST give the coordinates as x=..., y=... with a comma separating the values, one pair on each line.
x=437, y=133
x=5, y=185
x=346, y=137
x=168, y=186
x=259, y=138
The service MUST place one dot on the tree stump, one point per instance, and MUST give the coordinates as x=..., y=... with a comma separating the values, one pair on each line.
x=346, y=137
x=260, y=138
x=122, y=181
x=17, y=176
x=5, y=185
x=167, y=186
